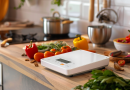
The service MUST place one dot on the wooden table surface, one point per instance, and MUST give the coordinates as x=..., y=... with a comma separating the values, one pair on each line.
x=11, y=56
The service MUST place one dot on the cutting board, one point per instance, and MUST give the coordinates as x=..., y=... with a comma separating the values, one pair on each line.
x=4, y=4
x=86, y=36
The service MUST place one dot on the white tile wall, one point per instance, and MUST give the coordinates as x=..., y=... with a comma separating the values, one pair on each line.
x=76, y=10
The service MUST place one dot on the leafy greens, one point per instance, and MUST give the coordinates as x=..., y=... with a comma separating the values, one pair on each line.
x=105, y=80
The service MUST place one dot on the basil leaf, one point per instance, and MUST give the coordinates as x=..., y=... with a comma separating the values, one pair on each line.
x=122, y=83
x=108, y=80
x=108, y=73
x=100, y=78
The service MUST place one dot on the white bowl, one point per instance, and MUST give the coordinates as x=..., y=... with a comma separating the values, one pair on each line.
x=121, y=46
x=39, y=50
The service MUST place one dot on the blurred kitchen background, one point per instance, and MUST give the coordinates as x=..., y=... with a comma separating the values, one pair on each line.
x=75, y=10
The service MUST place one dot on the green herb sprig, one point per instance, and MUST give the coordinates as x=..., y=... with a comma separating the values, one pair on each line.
x=57, y=2
x=105, y=80
x=20, y=5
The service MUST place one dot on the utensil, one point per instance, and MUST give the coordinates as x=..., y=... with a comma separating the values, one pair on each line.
x=104, y=3
x=91, y=11
x=98, y=5
x=56, y=25
x=99, y=35
x=5, y=41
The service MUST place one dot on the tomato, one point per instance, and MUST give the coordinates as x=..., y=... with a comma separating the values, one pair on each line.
x=121, y=62
x=127, y=38
x=53, y=50
x=69, y=49
x=48, y=54
x=65, y=49
x=57, y=53
x=38, y=56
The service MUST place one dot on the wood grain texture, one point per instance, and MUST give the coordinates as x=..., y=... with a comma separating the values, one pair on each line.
x=97, y=5
x=18, y=28
x=105, y=4
x=91, y=10
x=46, y=77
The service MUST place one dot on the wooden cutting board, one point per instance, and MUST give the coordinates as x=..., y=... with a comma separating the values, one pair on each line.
x=86, y=36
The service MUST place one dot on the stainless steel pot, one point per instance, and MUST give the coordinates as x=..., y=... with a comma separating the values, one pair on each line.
x=56, y=25
x=99, y=35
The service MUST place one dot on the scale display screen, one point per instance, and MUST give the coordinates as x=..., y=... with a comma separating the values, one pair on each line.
x=63, y=60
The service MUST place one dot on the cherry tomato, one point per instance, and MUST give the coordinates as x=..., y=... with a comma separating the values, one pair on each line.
x=127, y=38
x=57, y=53
x=48, y=54
x=67, y=49
x=53, y=50
x=64, y=51
x=121, y=62
x=38, y=56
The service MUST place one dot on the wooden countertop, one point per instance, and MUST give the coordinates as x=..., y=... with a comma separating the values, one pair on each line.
x=11, y=56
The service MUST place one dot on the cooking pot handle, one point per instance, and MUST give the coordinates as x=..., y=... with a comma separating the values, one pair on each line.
x=55, y=13
x=67, y=22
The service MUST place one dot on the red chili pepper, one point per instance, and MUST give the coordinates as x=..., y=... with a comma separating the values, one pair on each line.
x=128, y=37
x=31, y=50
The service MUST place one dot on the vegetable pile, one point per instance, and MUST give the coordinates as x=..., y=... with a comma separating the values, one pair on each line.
x=126, y=40
x=105, y=80
x=51, y=49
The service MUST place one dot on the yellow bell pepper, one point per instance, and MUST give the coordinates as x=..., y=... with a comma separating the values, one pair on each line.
x=81, y=43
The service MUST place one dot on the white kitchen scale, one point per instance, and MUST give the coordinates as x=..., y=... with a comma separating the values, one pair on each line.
x=75, y=62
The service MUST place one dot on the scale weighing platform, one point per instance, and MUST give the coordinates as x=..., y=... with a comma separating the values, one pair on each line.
x=75, y=62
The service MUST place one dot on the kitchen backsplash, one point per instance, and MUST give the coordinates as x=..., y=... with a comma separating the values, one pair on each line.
x=76, y=10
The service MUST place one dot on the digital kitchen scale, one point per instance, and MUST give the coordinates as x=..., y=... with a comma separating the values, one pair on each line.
x=75, y=62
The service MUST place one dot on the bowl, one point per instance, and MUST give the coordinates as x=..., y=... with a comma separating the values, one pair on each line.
x=121, y=46
x=39, y=50
x=100, y=34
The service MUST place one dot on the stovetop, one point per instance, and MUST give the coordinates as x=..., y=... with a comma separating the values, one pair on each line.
x=26, y=38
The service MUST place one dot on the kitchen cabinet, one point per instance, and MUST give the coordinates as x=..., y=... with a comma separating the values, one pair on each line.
x=13, y=80
x=26, y=76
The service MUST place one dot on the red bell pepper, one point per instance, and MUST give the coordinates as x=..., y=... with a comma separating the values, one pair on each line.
x=128, y=38
x=31, y=50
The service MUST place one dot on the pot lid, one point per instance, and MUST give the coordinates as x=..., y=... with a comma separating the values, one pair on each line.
x=55, y=18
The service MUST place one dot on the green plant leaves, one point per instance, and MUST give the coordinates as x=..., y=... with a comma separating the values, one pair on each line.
x=57, y=2
x=108, y=80
x=108, y=73
x=20, y=5
x=121, y=82
x=105, y=80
